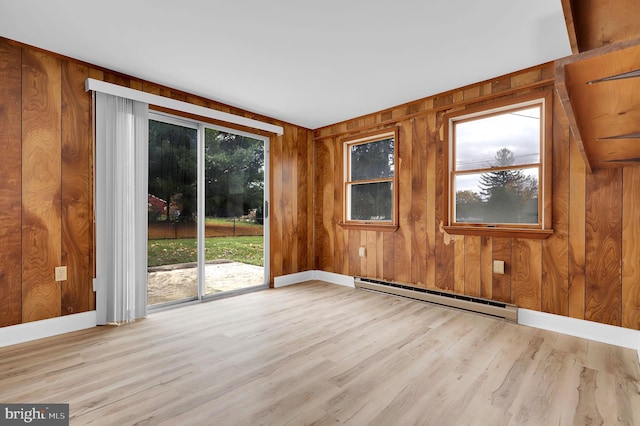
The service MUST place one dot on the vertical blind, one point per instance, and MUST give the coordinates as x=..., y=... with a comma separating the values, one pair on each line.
x=121, y=127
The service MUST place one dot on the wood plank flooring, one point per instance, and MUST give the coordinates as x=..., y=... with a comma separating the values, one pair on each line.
x=317, y=353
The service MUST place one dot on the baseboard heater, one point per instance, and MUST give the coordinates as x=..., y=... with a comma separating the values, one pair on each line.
x=468, y=303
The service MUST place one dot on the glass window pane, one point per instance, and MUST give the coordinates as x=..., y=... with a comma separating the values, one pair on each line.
x=497, y=197
x=172, y=247
x=506, y=139
x=371, y=201
x=373, y=160
x=234, y=169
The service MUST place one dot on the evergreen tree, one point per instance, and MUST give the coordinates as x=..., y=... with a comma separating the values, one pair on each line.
x=234, y=174
x=173, y=168
x=507, y=191
x=234, y=171
x=493, y=183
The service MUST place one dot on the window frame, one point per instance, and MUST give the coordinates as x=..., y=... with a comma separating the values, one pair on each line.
x=543, y=228
x=373, y=225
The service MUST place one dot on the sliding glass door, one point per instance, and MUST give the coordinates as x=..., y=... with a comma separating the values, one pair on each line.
x=234, y=211
x=207, y=227
x=172, y=250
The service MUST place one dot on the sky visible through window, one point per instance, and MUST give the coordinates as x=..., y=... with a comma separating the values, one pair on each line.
x=478, y=141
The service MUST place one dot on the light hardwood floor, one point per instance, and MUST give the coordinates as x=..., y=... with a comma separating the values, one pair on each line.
x=318, y=353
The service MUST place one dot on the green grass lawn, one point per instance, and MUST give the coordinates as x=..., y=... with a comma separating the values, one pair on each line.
x=239, y=249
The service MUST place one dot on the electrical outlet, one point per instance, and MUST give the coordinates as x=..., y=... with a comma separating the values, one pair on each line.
x=61, y=273
x=362, y=252
x=498, y=266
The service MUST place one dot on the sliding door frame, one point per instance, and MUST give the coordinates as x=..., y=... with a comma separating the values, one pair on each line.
x=200, y=191
x=201, y=206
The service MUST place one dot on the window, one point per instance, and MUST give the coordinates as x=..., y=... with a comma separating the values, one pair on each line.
x=498, y=167
x=370, y=181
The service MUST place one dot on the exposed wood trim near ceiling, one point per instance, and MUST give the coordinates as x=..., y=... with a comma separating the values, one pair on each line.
x=149, y=98
x=571, y=28
x=595, y=88
x=563, y=95
x=489, y=96
x=600, y=23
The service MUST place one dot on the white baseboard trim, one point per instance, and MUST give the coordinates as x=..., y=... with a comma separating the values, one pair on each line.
x=290, y=279
x=28, y=331
x=612, y=335
x=301, y=277
x=334, y=278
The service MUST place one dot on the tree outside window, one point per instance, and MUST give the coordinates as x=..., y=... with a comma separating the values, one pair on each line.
x=497, y=166
x=370, y=180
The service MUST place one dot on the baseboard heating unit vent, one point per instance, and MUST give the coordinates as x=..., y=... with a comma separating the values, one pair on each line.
x=475, y=304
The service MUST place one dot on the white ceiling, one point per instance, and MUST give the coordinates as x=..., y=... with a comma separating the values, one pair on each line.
x=311, y=63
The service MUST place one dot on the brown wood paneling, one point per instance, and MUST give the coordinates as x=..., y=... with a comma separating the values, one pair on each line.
x=603, y=246
x=276, y=208
x=317, y=201
x=289, y=202
x=526, y=273
x=341, y=246
x=403, y=256
x=326, y=189
x=431, y=202
x=10, y=184
x=571, y=29
x=43, y=98
x=555, y=250
x=486, y=267
x=577, y=203
x=388, y=271
x=121, y=80
x=526, y=78
x=472, y=271
x=631, y=249
x=379, y=257
x=546, y=275
x=502, y=282
x=419, y=202
x=303, y=248
x=602, y=112
x=601, y=22
x=308, y=204
x=459, y=263
x=373, y=254
x=76, y=130
x=41, y=203
x=364, y=259
x=354, y=263
x=444, y=246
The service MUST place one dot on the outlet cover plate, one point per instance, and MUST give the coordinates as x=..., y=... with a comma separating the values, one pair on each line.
x=61, y=273
x=498, y=266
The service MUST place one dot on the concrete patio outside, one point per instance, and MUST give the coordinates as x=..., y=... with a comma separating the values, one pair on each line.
x=176, y=282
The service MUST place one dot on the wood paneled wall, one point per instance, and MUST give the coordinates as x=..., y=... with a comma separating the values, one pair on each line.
x=46, y=181
x=600, y=22
x=291, y=208
x=45, y=185
x=588, y=269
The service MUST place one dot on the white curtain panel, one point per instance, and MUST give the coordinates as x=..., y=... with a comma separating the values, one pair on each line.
x=121, y=204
